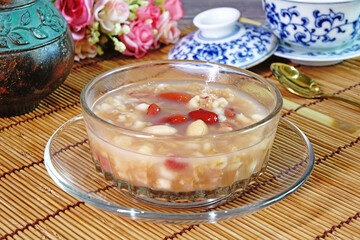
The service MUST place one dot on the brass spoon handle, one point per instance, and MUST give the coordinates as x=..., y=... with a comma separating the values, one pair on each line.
x=346, y=99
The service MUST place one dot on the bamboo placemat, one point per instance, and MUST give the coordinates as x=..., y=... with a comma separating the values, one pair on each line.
x=327, y=206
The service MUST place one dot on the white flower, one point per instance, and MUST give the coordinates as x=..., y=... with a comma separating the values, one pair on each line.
x=167, y=30
x=111, y=12
x=83, y=49
x=125, y=29
x=119, y=46
x=95, y=34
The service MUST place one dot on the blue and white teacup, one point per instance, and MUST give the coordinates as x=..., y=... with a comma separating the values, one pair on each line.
x=315, y=24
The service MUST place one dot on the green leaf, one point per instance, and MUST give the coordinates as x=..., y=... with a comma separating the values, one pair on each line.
x=17, y=39
x=159, y=3
x=25, y=18
x=3, y=43
x=38, y=33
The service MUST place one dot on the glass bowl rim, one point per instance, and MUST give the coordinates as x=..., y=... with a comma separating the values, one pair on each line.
x=269, y=117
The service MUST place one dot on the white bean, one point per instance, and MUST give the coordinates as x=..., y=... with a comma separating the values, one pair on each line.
x=161, y=87
x=106, y=107
x=165, y=173
x=218, y=111
x=139, y=124
x=207, y=147
x=160, y=130
x=242, y=118
x=163, y=183
x=194, y=102
x=219, y=163
x=142, y=107
x=121, y=118
x=220, y=102
x=222, y=118
x=257, y=117
x=146, y=149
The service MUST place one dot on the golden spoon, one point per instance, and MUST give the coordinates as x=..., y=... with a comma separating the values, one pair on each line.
x=300, y=84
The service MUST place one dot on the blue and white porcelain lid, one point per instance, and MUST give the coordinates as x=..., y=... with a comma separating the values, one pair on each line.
x=222, y=39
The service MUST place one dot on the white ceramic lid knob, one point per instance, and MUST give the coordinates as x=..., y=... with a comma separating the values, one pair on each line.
x=217, y=22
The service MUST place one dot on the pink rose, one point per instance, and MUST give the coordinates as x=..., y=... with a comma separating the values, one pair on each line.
x=175, y=9
x=167, y=30
x=110, y=12
x=149, y=12
x=139, y=40
x=83, y=49
x=77, y=14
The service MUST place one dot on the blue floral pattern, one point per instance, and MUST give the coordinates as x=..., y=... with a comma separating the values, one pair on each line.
x=209, y=52
x=327, y=25
x=352, y=49
x=246, y=47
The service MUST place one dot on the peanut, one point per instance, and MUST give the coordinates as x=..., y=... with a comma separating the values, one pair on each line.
x=197, y=128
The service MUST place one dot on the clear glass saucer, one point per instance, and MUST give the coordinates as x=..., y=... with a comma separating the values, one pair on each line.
x=68, y=162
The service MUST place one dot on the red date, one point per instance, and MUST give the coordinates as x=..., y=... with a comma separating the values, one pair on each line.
x=153, y=110
x=175, y=119
x=175, y=96
x=207, y=116
x=104, y=162
x=174, y=165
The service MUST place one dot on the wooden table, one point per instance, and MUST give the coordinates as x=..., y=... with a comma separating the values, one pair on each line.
x=326, y=206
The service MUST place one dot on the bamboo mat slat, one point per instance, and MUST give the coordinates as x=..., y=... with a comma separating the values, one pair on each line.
x=327, y=206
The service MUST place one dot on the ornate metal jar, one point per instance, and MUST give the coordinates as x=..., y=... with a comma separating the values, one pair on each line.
x=36, y=53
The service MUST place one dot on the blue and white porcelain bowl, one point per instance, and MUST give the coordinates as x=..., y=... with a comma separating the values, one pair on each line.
x=222, y=39
x=315, y=24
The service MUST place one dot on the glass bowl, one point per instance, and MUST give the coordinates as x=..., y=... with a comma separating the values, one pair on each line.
x=181, y=170
x=68, y=162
